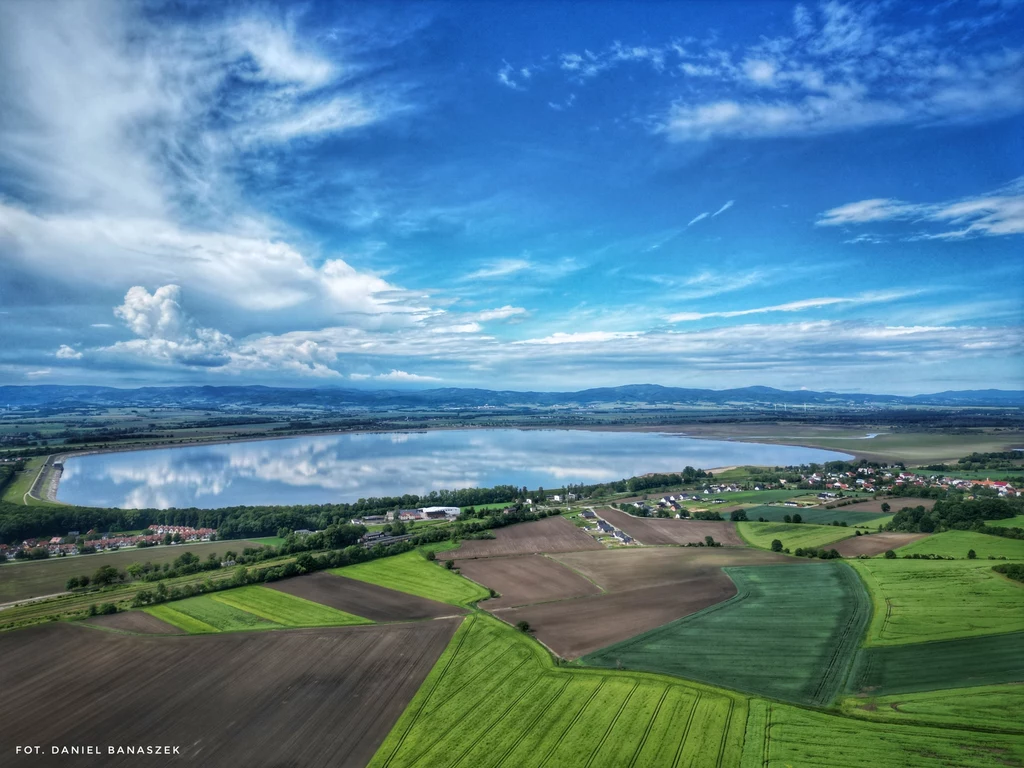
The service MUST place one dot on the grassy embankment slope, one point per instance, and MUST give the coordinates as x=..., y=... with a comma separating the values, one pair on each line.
x=792, y=535
x=496, y=699
x=252, y=607
x=413, y=574
x=1009, y=522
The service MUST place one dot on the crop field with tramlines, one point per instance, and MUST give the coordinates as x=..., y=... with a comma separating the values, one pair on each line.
x=414, y=574
x=793, y=535
x=920, y=600
x=790, y=633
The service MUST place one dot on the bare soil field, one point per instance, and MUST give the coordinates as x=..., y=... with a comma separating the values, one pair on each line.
x=648, y=530
x=573, y=628
x=646, y=588
x=553, y=534
x=288, y=698
x=137, y=622
x=875, y=505
x=875, y=543
x=526, y=579
x=363, y=599
x=621, y=570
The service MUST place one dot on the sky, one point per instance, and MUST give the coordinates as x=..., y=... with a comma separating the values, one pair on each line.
x=525, y=196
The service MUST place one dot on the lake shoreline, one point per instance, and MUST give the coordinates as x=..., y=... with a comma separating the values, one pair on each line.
x=49, y=485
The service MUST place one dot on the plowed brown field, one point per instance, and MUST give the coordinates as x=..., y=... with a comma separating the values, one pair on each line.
x=875, y=543
x=138, y=622
x=553, y=534
x=895, y=505
x=362, y=599
x=287, y=698
x=645, y=588
x=526, y=579
x=650, y=530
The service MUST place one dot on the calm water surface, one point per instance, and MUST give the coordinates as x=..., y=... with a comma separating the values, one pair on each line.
x=337, y=468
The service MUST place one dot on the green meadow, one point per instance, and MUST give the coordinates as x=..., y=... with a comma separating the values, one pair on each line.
x=958, y=543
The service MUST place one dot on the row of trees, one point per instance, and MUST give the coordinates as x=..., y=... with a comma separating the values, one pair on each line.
x=955, y=513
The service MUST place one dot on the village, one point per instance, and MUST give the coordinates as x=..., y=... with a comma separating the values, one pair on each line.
x=93, y=542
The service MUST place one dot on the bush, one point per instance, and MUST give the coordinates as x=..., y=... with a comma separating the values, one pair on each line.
x=890, y=555
x=523, y=626
x=776, y=545
x=971, y=554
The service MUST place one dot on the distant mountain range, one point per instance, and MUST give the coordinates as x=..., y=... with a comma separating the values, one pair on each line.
x=634, y=394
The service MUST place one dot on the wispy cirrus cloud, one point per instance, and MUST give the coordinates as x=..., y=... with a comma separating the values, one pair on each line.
x=842, y=66
x=876, y=297
x=997, y=213
x=698, y=217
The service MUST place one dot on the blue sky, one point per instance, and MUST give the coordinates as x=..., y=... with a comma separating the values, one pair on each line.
x=513, y=195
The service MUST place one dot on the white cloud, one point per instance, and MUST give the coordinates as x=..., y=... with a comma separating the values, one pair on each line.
x=500, y=268
x=100, y=325
x=585, y=337
x=64, y=352
x=698, y=217
x=404, y=377
x=38, y=373
x=724, y=208
x=993, y=214
x=501, y=313
x=796, y=306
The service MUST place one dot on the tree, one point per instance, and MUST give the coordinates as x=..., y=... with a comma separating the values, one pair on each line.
x=431, y=556
x=886, y=507
x=797, y=519
x=449, y=564
x=709, y=541
x=890, y=555
x=787, y=519
x=134, y=570
x=971, y=554
x=776, y=545
x=72, y=583
x=738, y=515
x=523, y=626
x=106, y=574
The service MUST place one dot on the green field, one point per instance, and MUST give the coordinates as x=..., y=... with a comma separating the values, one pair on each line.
x=990, y=706
x=916, y=601
x=414, y=574
x=790, y=633
x=246, y=608
x=792, y=535
x=1009, y=522
x=802, y=738
x=269, y=541
x=19, y=581
x=289, y=610
x=817, y=516
x=958, y=543
x=198, y=615
x=495, y=698
x=963, y=663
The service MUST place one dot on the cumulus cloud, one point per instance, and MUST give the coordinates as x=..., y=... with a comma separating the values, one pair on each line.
x=64, y=352
x=996, y=213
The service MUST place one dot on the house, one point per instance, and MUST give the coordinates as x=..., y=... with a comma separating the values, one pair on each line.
x=790, y=504
x=604, y=527
x=588, y=515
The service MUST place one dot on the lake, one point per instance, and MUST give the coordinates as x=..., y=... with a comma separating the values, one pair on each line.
x=339, y=468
